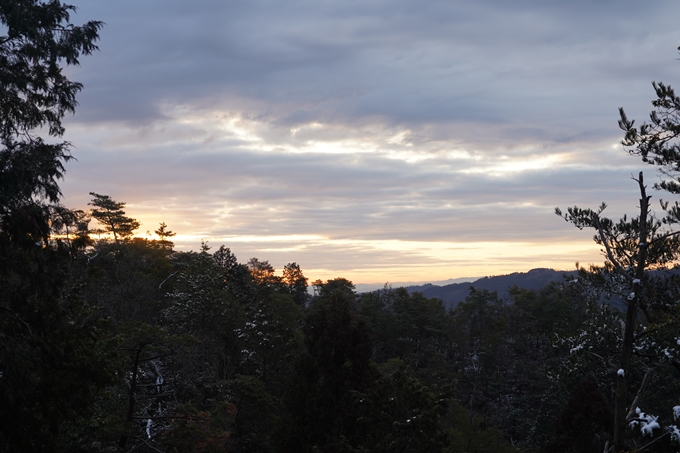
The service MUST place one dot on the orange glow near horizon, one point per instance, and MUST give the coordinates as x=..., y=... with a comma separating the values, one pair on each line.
x=393, y=260
x=386, y=260
x=407, y=261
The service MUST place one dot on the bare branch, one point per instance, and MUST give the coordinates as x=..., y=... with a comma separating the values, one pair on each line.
x=665, y=236
x=150, y=397
x=643, y=386
x=145, y=443
x=675, y=364
x=90, y=258
x=18, y=319
x=173, y=417
x=596, y=355
x=644, y=211
x=169, y=277
x=654, y=441
x=648, y=317
x=158, y=357
x=648, y=356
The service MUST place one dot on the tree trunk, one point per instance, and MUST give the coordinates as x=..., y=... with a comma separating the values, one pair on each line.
x=623, y=376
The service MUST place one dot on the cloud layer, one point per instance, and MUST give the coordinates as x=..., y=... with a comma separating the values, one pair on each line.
x=376, y=140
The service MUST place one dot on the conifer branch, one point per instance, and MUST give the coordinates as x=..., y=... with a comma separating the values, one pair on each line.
x=610, y=254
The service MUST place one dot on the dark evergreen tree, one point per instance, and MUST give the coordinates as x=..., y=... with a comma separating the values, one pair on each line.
x=110, y=215
x=52, y=353
x=296, y=282
x=585, y=424
x=401, y=414
x=236, y=278
x=656, y=141
x=165, y=234
x=321, y=412
x=340, y=286
x=35, y=93
x=632, y=248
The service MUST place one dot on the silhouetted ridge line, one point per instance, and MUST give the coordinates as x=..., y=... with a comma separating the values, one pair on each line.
x=455, y=293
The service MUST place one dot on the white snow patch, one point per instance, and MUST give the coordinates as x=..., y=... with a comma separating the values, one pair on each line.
x=621, y=372
x=631, y=296
x=675, y=433
x=648, y=423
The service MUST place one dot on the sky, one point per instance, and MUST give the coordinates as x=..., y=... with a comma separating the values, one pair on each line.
x=372, y=140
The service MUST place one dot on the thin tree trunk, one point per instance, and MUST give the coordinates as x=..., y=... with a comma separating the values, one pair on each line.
x=131, y=396
x=623, y=376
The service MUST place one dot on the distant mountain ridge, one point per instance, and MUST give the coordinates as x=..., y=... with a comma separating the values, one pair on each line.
x=370, y=287
x=455, y=293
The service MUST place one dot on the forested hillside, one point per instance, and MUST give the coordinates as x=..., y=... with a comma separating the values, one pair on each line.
x=455, y=293
x=114, y=343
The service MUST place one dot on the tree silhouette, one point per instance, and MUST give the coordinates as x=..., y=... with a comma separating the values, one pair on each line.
x=110, y=214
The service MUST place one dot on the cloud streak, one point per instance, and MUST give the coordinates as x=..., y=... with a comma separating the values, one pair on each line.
x=368, y=136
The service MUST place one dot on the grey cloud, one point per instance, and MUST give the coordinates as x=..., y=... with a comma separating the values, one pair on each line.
x=372, y=198
x=498, y=80
x=398, y=63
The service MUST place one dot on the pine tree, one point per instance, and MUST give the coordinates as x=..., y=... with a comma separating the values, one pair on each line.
x=632, y=248
x=164, y=234
x=110, y=215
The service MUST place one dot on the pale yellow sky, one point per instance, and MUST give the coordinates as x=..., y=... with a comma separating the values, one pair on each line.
x=399, y=260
